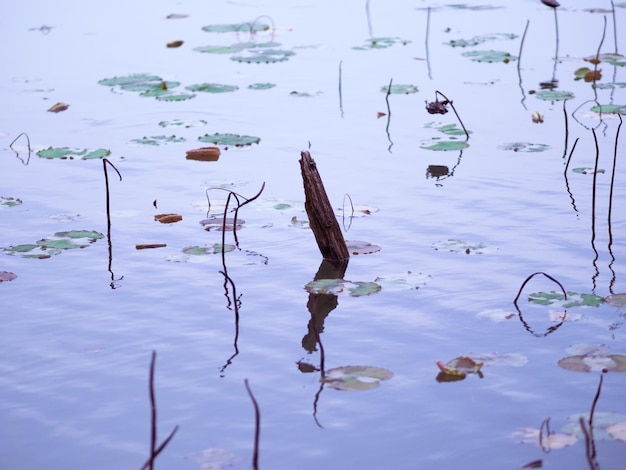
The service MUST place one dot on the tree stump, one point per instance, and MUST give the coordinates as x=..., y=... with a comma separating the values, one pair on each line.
x=322, y=218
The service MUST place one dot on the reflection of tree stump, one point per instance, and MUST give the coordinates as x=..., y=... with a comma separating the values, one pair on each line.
x=322, y=219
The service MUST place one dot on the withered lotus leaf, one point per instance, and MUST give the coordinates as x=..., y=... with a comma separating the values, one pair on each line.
x=168, y=218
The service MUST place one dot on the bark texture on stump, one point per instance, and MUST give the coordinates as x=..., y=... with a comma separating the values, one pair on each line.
x=322, y=218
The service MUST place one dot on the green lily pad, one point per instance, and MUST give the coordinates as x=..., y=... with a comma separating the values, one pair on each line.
x=151, y=88
x=208, y=250
x=236, y=28
x=404, y=281
x=325, y=286
x=479, y=39
x=586, y=170
x=219, y=49
x=91, y=235
x=399, y=89
x=359, y=288
x=573, y=299
x=448, y=129
x=212, y=88
x=613, y=59
x=181, y=123
x=594, y=363
x=617, y=300
x=446, y=145
x=263, y=56
x=175, y=96
x=32, y=251
x=261, y=86
x=381, y=43
x=461, y=246
x=490, y=56
x=609, y=86
x=229, y=139
x=554, y=95
x=353, y=378
x=9, y=201
x=59, y=244
x=524, y=147
x=609, y=108
x=130, y=80
x=68, y=153
x=158, y=140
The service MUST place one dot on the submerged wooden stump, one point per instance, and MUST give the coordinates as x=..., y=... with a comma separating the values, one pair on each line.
x=322, y=219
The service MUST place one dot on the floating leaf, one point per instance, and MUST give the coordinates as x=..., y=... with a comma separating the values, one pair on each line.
x=91, y=235
x=9, y=201
x=445, y=145
x=554, y=95
x=404, y=281
x=229, y=139
x=357, y=247
x=461, y=246
x=263, y=56
x=325, y=286
x=594, y=363
x=609, y=86
x=524, y=147
x=217, y=223
x=6, y=276
x=219, y=49
x=58, y=107
x=175, y=97
x=448, y=129
x=212, y=88
x=586, y=170
x=235, y=27
x=168, y=218
x=68, y=153
x=617, y=431
x=537, y=117
x=181, y=123
x=304, y=94
x=573, y=299
x=359, y=288
x=158, y=140
x=132, y=80
x=602, y=421
x=502, y=359
x=204, y=154
x=497, y=315
x=490, y=56
x=32, y=251
x=613, y=59
x=261, y=86
x=552, y=440
x=399, y=89
x=617, y=300
x=609, y=108
x=208, y=250
x=148, y=246
x=353, y=378
x=380, y=43
x=174, y=44
x=479, y=39
x=458, y=368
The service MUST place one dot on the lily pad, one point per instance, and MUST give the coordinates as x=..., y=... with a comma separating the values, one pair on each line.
x=212, y=88
x=131, y=80
x=573, y=299
x=594, y=363
x=613, y=59
x=10, y=201
x=586, y=170
x=448, y=129
x=381, y=43
x=461, y=246
x=479, y=39
x=175, y=96
x=524, y=147
x=32, y=251
x=236, y=28
x=208, y=249
x=502, y=359
x=151, y=89
x=603, y=421
x=359, y=288
x=356, y=247
x=217, y=223
x=353, y=378
x=337, y=286
x=181, y=123
x=403, y=281
x=554, y=95
x=235, y=140
x=158, y=140
x=168, y=218
x=445, y=145
x=458, y=368
x=617, y=300
x=261, y=86
x=6, y=276
x=400, y=89
x=490, y=56
x=47, y=247
x=553, y=440
x=609, y=108
x=263, y=56
x=68, y=153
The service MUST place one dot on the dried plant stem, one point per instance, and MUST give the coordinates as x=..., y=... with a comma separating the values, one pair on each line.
x=257, y=427
x=106, y=161
x=457, y=114
x=612, y=184
x=533, y=275
x=388, y=115
x=566, y=128
x=519, y=63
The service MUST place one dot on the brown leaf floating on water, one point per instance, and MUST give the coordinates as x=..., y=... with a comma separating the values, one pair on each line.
x=145, y=246
x=168, y=218
x=204, y=154
x=58, y=107
x=173, y=44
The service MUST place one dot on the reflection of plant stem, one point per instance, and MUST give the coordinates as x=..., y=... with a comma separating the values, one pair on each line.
x=565, y=175
x=599, y=113
x=614, y=26
x=369, y=20
x=253, y=24
x=257, y=427
x=519, y=64
x=322, y=363
x=426, y=42
x=590, y=445
x=27, y=143
x=610, y=247
x=231, y=305
x=593, y=211
x=340, y=96
x=388, y=115
x=566, y=128
x=528, y=328
x=154, y=450
x=556, y=53
x=108, y=208
x=343, y=212
x=595, y=62
x=457, y=114
x=544, y=424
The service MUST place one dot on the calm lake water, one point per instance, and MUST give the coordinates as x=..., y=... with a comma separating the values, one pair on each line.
x=78, y=329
